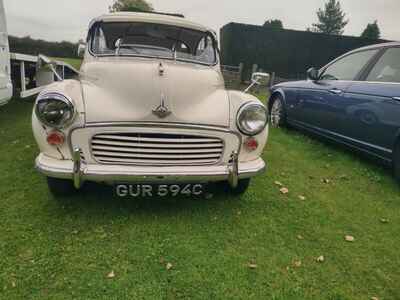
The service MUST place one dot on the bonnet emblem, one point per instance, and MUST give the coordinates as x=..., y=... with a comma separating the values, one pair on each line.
x=162, y=110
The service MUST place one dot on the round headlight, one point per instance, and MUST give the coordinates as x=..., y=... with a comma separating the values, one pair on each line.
x=252, y=118
x=54, y=110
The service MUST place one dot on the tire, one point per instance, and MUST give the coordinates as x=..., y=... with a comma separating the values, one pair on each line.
x=242, y=187
x=277, y=112
x=60, y=187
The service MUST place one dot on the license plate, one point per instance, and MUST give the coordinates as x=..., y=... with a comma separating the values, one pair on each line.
x=159, y=190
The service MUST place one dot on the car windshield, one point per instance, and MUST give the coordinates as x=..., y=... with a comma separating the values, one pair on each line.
x=152, y=40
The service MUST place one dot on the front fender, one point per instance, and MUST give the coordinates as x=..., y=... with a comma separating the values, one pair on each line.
x=236, y=100
x=71, y=89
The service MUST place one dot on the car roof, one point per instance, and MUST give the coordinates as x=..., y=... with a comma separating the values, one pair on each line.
x=151, y=18
x=382, y=45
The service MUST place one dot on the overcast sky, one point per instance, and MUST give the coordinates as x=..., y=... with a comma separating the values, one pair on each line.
x=57, y=20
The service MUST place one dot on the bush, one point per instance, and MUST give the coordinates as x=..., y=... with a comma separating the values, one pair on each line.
x=27, y=45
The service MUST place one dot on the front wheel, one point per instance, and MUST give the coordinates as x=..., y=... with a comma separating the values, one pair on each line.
x=241, y=188
x=60, y=187
x=278, y=114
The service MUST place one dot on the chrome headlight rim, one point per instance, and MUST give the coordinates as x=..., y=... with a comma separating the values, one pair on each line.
x=59, y=97
x=245, y=107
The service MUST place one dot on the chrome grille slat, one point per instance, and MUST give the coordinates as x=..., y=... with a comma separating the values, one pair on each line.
x=151, y=145
x=153, y=162
x=161, y=140
x=151, y=150
x=156, y=148
x=139, y=155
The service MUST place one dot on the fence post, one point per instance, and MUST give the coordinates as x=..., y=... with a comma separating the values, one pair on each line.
x=241, y=67
x=255, y=68
x=272, y=80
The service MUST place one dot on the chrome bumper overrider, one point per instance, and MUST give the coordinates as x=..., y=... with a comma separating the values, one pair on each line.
x=80, y=172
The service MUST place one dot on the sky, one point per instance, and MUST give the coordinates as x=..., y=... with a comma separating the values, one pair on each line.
x=57, y=20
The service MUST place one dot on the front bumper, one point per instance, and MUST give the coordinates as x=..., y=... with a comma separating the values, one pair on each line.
x=79, y=172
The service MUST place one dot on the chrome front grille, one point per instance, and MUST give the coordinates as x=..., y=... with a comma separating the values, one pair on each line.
x=156, y=149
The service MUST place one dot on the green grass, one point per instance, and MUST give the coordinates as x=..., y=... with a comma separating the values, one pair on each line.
x=75, y=62
x=64, y=248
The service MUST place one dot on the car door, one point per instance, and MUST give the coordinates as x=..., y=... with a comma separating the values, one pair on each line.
x=373, y=105
x=320, y=102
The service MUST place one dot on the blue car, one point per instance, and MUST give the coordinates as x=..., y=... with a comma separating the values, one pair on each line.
x=354, y=100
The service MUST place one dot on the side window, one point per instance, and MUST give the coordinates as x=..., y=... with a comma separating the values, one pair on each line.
x=349, y=66
x=387, y=68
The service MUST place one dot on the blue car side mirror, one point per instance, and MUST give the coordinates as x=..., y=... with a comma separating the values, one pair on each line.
x=313, y=74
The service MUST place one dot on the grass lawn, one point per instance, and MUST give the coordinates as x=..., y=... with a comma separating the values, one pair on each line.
x=75, y=62
x=263, y=245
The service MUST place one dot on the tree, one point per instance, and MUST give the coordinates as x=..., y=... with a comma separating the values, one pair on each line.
x=372, y=31
x=274, y=24
x=131, y=5
x=332, y=19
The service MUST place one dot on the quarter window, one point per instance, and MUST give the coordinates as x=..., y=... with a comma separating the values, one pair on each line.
x=387, y=68
x=349, y=66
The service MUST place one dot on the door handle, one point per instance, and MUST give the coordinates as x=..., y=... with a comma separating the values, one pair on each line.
x=336, y=91
x=396, y=98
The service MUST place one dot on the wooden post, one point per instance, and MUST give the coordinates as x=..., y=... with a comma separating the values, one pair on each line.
x=241, y=68
x=255, y=68
x=23, y=82
x=272, y=80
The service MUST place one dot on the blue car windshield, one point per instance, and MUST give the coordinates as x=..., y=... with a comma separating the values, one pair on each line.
x=152, y=40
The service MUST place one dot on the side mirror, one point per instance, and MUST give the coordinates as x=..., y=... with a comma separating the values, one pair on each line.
x=313, y=74
x=81, y=50
x=261, y=79
x=47, y=69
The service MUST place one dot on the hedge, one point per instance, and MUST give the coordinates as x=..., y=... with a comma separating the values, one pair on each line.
x=288, y=53
x=27, y=45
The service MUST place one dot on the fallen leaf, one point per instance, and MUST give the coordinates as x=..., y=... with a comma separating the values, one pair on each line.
x=384, y=221
x=252, y=266
x=301, y=197
x=320, y=259
x=326, y=181
x=278, y=183
x=297, y=263
x=111, y=275
x=300, y=237
x=349, y=238
x=284, y=190
x=13, y=284
x=374, y=298
x=169, y=266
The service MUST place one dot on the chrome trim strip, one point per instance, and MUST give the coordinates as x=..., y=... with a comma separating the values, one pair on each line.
x=157, y=124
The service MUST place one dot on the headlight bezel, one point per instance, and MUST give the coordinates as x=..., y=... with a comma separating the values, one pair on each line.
x=58, y=97
x=247, y=106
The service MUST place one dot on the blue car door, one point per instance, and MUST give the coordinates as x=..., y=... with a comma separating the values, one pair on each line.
x=373, y=106
x=320, y=103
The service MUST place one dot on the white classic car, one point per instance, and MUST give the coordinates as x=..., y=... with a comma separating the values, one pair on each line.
x=149, y=113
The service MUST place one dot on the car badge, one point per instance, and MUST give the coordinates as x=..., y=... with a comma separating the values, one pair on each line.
x=162, y=110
